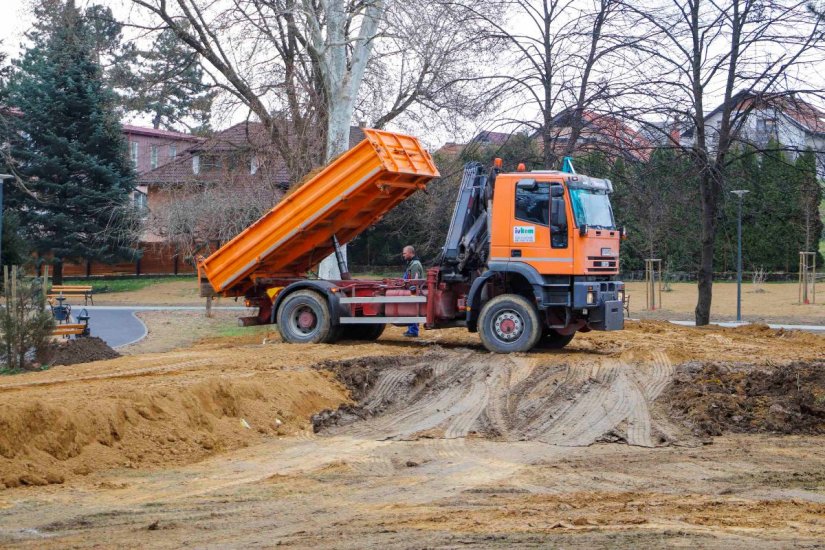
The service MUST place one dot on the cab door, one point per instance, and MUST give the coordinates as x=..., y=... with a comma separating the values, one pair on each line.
x=540, y=228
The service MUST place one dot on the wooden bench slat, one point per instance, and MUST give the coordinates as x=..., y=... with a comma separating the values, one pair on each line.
x=84, y=287
x=85, y=291
x=68, y=329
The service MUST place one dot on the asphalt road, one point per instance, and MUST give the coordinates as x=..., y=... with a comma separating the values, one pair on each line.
x=117, y=327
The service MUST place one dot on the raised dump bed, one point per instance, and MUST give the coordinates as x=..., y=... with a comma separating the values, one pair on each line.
x=344, y=199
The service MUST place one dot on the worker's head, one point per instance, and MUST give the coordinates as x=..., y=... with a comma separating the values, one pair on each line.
x=408, y=253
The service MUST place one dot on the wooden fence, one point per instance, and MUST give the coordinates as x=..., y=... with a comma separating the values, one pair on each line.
x=157, y=259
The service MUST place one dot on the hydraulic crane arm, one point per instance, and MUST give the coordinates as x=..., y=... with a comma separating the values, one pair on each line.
x=468, y=239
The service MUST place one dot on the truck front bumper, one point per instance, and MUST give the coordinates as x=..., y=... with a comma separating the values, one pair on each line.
x=609, y=315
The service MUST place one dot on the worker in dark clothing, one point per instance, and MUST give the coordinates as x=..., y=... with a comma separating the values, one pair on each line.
x=412, y=270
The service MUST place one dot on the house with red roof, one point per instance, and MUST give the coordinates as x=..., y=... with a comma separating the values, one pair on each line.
x=785, y=118
x=600, y=132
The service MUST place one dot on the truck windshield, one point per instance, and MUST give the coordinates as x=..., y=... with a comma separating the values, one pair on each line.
x=592, y=208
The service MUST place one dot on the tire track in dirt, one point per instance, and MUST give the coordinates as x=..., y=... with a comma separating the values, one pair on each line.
x=461, y=393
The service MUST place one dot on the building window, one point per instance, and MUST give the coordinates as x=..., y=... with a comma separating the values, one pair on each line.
x=140, y=200
x=253, y=165
x=196, y=164
x=153, y=156
x=212, y=162
x=173, y=152
x=766, y=125
x=133, y=153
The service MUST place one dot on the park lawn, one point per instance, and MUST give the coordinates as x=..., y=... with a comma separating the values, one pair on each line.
x=773, y=302
x=126, y=284
x=151, y=291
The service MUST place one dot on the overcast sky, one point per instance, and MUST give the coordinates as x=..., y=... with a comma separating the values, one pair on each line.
x=14, y=21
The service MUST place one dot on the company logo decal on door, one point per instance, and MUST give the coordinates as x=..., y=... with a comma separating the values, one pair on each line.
x=524, y=234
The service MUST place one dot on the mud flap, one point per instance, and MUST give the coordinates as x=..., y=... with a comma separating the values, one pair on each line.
x=608, y=316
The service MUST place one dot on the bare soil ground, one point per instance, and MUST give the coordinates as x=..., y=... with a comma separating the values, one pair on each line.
x=429, y=443
x=165, y=293
x=773, y=302
x=169, y=330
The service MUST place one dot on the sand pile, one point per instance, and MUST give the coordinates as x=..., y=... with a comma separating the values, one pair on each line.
x=47, y=441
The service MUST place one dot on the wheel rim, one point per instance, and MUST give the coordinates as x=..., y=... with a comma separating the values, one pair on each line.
x=508, y=325
x=304, y=320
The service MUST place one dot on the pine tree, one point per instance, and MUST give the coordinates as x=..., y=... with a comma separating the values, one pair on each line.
x=169, y=85
x=810, y=198
x=67, y=147
x=771, y=212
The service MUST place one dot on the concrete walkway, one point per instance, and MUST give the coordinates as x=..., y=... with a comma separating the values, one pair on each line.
x=732, y=324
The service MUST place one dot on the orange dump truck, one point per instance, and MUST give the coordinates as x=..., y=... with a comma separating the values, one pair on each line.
x=529, y=257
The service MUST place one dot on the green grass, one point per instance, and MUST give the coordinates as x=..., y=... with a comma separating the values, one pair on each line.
x=6, y=371
x=124, y=284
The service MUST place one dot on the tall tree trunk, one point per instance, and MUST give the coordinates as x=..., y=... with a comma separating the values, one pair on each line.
x=709, y=202
x=338, y=127
x=342, y=80
x=57, y=276
x=548, y=154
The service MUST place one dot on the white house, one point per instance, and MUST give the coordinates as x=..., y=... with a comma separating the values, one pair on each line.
x=794, y=123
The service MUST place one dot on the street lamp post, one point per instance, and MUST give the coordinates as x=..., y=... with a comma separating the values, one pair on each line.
x=739, y=193
x=3, y=178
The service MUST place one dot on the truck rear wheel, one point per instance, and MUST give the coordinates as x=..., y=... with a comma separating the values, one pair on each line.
x=509, y=323
x=553, y=340
x=304, y=318
x=362, y=332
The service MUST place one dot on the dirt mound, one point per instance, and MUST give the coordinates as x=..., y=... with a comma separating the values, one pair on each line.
x=716, y=398
x=45, y=441
x=79, y=350
x=462, y=393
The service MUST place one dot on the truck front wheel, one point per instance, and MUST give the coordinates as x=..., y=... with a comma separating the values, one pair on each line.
x=304, y=318
x=509, y=323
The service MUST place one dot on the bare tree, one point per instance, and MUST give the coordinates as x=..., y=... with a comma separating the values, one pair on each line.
x=565, y=59
x=430, y=66
x=736, y=54
x=298, y=65
x=194, y=219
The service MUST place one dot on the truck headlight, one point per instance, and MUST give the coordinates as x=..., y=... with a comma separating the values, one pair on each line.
x=620, y=295
x=591, y=297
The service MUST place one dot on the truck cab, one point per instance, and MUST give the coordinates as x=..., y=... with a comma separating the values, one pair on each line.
x=554, y=245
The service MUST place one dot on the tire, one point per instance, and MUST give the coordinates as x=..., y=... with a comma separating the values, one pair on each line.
x=304, y=318
x=509, y=323
x=362, y=332
x=554, y=340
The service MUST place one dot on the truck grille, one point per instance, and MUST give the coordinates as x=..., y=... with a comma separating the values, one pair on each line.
x=602, y=264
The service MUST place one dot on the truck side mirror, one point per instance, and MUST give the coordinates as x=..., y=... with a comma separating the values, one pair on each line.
x=556, y=191
x=558, y=216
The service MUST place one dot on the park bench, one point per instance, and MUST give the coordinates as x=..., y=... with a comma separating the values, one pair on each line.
x=71, y=329
x=69, y=291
